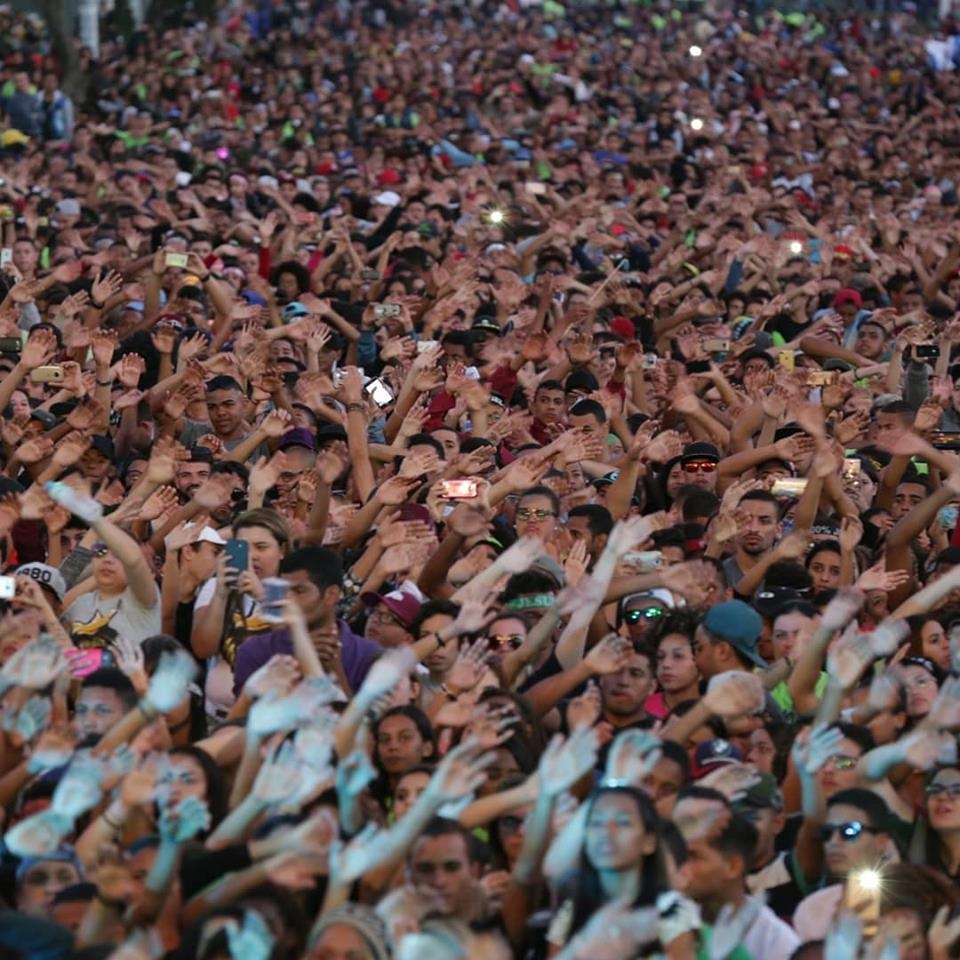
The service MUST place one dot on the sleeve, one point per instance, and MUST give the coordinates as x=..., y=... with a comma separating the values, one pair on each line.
x=202, y=867
x=33, y=938
x=367, y=350
x=558, y=933
x=915, y=389
x=251, y=656
x=72, y=568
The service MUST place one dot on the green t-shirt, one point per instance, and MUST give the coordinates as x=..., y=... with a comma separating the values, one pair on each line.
x=784, y=701
x=738, y=952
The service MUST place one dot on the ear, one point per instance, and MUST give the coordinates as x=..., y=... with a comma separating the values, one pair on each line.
x=779, y=822
x=331, y=595
x=601, y=542
x=649, y=844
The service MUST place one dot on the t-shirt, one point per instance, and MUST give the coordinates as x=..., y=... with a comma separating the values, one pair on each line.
x=767, y=937
x=781, y=884
x=93, y=620
x=781, y=694
x=815, y=914
x=732, y=573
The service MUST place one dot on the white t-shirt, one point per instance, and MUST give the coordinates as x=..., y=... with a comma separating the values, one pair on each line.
x=769, y=938
x=93, y=620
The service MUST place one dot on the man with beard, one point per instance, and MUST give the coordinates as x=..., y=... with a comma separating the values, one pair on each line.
x=758, y=516
x=193, y=473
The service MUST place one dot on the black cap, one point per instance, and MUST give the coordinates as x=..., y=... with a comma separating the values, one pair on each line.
x=700, y=451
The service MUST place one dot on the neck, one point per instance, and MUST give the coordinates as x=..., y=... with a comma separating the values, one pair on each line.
x=710, y=907
x=691, y=692
x=746, y=561
x=618, y=720
x=618, y=884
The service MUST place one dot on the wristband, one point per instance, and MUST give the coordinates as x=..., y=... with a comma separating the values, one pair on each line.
x=355, y=408
x=104, y=383
x=149, y=712
x=115, y=827
x=118, y=905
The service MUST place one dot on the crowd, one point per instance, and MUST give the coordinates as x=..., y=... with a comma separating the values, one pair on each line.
x=481, y=482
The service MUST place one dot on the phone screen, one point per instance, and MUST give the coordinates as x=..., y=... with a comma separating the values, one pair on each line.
x=238, y=554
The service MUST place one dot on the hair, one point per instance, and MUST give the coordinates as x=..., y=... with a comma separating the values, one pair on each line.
x=548, y=385
x=586, y=407
x=322, y=566
x=859, y=735
x=442, y=827
x=223, y=382
x=737, y=838
x=599, y=520
x=381, y=787
x=824, y=546
x=908, y=886
x=432, y=608
x=675, y=752
x=585, y=889
x=868, y=803
x=425, y=440
x=542, y=491
x=680, y=621
x=153, y=648
x=764, y=496
x=697, y=503
x=217, y=794
x=110, y=678
x=264, y=517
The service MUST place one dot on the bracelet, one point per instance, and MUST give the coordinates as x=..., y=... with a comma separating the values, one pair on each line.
x=149, y=712
x=104, y=383
x=450, y=695
x=115, y=827
x=355, y=408
x=118, y=905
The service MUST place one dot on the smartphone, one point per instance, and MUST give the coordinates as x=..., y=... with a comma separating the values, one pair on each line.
x=380, y=391
x=861, y=896
x=369, y=275
x=926, y=351
x=424, y=345
x=384, y=310
x=786, y=359
x=697, y=366
x=6, y=256
x=650, y=361
x=644, y=560
x=49, y=374
x=10, y=345
x=943, y=440
x=84, y=662
x=947, y=517
x=789, y=487
x=716, y=346
x=176, y=260
x=822, y=378
x=275, y=590
x=238, y=554
x=458, y=489
x=8, y=588
x=537, y=189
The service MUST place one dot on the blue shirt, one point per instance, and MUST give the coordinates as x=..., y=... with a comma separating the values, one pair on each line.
x=356, y=654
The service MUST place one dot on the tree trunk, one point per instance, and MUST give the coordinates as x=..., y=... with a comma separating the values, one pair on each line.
x=64, y=47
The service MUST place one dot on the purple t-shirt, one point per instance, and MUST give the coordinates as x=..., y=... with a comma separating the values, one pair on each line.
x=357, y=654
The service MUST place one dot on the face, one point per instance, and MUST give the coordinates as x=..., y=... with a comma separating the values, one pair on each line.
x=201, y=559
x=506, y=634
x=265, y=550
x=579, y=529
x=440, y=866
x=548, y=406
x=662, y=784
x=190, y=476
x=535, y=517
x=789, y=633
x=700, y=473
x=706, y=874
x=761, y=750
x=840, y=770
x=41, y=883
x=935, y=644
x=504, y=765
x=510, y=829
x=889, y=425
x=825, y=570
x=842, y=854
x=616, y=838
x=905, y=927
x=441, y=660
x=625, y=691
x=409, y=788
x=400, y=745
x=225, y=409
x=705, y=655
x=97, y=710
x=758, y=527
x=448, y=440
x=870, y=341
x=921, y=690
x=943, y=801
x=676, y=669
x=340, y=942
x=184, y=778
x=385, y=628
x=640, y=615
x=907, y=496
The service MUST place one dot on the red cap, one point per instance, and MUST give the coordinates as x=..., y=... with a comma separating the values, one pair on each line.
x=842, y=252
x=848, y=295
x=623, y=327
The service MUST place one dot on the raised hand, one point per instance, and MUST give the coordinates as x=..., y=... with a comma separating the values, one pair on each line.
x=633, y=754
x=355, y=773
x=469, y=667
x=250, y=941
x=279, y=675
x=733, y=694
x=844, y=606
x=611, y=654
x=814, y=747
x=79, y=789
x=387, y=671
x=584, y=711
x=168, y=685
x=563, y=763
x=183, y=822
x=36, y=665
x=877, y=578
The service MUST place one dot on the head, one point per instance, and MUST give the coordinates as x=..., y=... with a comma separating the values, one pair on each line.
x=855, y=833
x=267, y=533
x=226, y=406
x=670, y=774
x=676, y=668
x=699, y=465
x=592, y=524
x=549, y=402
x=824, y=564
x=792, y=626
x=40, y=879
x=920, y=679
x=106, y=695
x=625, y=691
x=537, y=512
x=403, y=739
x=441, y=864
x=759, y=523
x=727, y=639
x=840, y=771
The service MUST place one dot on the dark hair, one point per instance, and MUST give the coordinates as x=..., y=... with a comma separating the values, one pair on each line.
x=110, y=678
x=872, y=806
x=542, y=491
x=585, y=889
x=589, y=408
x=737, y=838
x=223, y=382
x=669, y=750
x=599, y=520
x=859, y=735
x=425, y=440
x=431, y=609
x=548, y=385
x=697, y=503
x=380, y=788
x=217, y=795
x=444, y=827
x=764, y=496
x=322, y=566
x=682, y=621
x=824, y=546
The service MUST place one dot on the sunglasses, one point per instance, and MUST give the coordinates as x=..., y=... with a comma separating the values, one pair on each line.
x=700, y=466
x=951, y=790
x=99, y=550
x=848, y=831
x=647, y=613
x=509, y=641
x=842, y=762
x=525, y=513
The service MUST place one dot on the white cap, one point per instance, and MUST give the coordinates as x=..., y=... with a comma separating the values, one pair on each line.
x=387, y=199
x=46, y=576
x=204, y=534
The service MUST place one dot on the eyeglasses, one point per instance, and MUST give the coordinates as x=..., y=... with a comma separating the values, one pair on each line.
x=647, y=613
x=699, y=466
x=386, y=617
x=951, y=790
x=511, y=641
x=848, y=831
x=525, y=513
x=842, y=762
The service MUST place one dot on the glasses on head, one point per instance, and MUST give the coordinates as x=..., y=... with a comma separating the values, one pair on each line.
x=699, y=466
x=841, y=761
x=99, y=549
x=645, y=613
x=849, y=831
x=506, y=641
x=951, y=790
x=526, y=513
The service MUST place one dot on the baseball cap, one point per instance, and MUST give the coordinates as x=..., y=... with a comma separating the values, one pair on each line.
x=204, y=534
x=295, y=309
x=712, y=754
x=768, y=600
x=763, y=795
x=46, y=576
x=103, y=445
x=331, y=431
x=386, y=198
x=848, y=295
x=739, y=625
x=404, y=606
x=297, y=437
x=700, y=451
x=551, y=568
x=69, y=207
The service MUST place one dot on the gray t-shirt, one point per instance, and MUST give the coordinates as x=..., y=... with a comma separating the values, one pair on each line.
x=94, y=621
